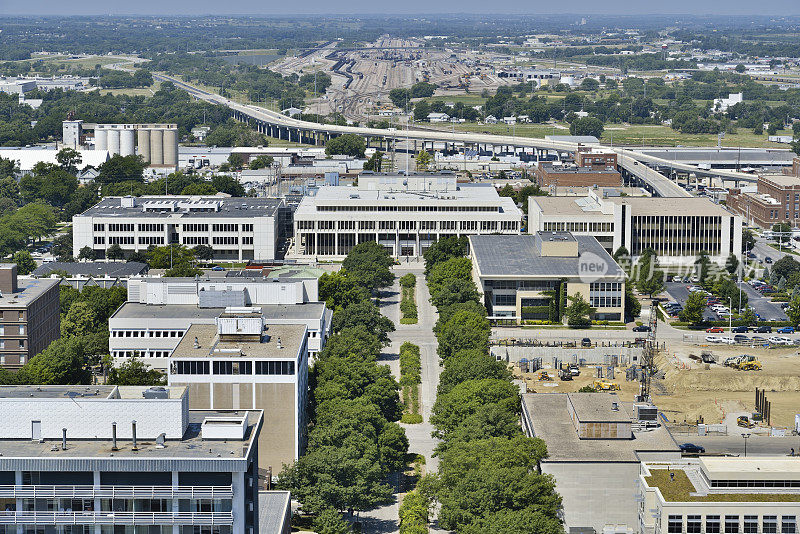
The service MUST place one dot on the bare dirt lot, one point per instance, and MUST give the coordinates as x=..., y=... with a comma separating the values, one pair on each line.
x=692, y=391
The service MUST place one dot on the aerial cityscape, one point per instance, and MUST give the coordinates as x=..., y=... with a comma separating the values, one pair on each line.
x=420, y=269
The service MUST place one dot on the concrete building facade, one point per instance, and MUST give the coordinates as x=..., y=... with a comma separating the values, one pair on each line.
x=677, y=229
x=237, y=229
x=405, y=214
x=30, y=316
x=776, y=200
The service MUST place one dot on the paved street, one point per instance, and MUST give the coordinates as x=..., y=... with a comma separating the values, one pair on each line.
x=385, y=519
x=734, y=445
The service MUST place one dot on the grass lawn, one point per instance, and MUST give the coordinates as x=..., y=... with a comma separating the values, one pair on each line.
x=665, y=136
x=469, y=99
x=134, y=91
x=679, y=490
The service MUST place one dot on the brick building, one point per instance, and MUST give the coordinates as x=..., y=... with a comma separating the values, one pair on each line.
x=596, y=160
x=548, y=174
x=776, y=200
x=29, y=316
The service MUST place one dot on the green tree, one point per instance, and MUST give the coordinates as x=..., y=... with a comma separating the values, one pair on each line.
x=375, y=162
x=632, y=305
x=578, y=311
x=740, y=68
x=413, y=513
x=365, y=314
x=203, y=252
x=452, y=408
x=25, y=262
x=62, y=362
x=464, y=330
x=122, y=169
x=329, y=521
x=693, y=309
x=115, y=252
x=783, y=231
x=649, y=280
x=228, y=184
x=80, y=320
x=236, y=161
x=69, y=159
x=586, y=126
x=748, y=240
x=470, y=364
x=338, y=290
x=793, y=311
x=86, y=253
x=444, y=249
x=784, y=267
x=353, y=341
x=134, y=372
x=424, y=160
x=421, y=110
x=732, y=264
x=369, y=264
x=261, y=162
x=346, y=145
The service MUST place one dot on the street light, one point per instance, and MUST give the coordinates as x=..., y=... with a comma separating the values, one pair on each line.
x=745, y=436
x=730, y=319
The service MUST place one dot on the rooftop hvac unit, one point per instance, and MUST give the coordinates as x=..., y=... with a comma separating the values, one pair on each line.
x=645, y=412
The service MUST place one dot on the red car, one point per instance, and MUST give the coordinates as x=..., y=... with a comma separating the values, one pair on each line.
x=714, y=330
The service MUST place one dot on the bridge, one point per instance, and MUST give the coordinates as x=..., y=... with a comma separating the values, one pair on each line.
x=277, y=125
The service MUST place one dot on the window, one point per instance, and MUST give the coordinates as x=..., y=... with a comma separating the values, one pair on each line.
x=274, y=368
x=305, y=225
x=712, y=524
x=769, y=524
x=789, y=524
x=99, y=240
x=675, y=524
x=233, y=368
x=693, y=524
x=151, y=227
x=226, y=240
x=99, y=227
x=247, y=228
x=195, y=228
x=750, y=524
x=505, y=300
x=225, y=227
x=326, y=225
x=731, y=524
x=191, y=368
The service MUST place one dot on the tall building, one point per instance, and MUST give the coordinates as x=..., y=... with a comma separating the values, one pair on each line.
x=776, y=200
x=159, y=311
x=405, y=214
x=678, y=229
x=519, y=276
x=237, y=229
x=751, y=495
x=240, y=363
x=125, y=459
x=30, y=316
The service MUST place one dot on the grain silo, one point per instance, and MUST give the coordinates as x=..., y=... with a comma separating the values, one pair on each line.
x=113, y=141
x=143, y=139
x=156, y=146
x=127, y=140
x=100, y=139
x=170, y=146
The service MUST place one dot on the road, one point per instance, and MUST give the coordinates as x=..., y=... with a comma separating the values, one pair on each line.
x=734, y=445
x=384, y=519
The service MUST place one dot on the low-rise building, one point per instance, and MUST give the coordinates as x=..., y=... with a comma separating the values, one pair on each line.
x=240, y=363
x=595, y=447
x=235, y=228
x=596, y=160
x=548, y=174
x=776, y=200
x=405, y=214
x=520, y=275
x=721, y=494
x=106, y=459
x=30, y=316
x=677, y=229
x=105, y=274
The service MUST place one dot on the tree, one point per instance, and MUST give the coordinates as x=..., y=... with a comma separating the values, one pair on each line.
x=62, y=247
x=365, y=314
x=134, y=372
x=587, y=126
x=444, y=249
x=69, y=159
x=236, y=161
x=369, y=264
x=693, y=309
x=122, y=169
x=740, y=68
x=346, y=145
x=424, y=159
x=329, y=521
x=352, y=341
x=732, y=264
x=784, y=267
x=25, y=262
x=375, y=162
x=203, y=252
x=421, y=110
x=578, y=311
x=783, y=231
x=470, y=364
x=590, y=84
x=452, y=408
x=632, y=305
x=80, y=320
x=463, y=330
x=199, y=188
x=115, y=252
x=793, y=311
x=86, y=253
x=62, y=362
x=748, y=240
x=228, y=184
x=338, y=290
x=261, y=162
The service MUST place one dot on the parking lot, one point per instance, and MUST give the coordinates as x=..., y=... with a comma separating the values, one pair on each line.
x=764, y=307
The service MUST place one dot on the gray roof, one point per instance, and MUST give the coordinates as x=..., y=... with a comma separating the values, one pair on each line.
x=273, y=511
x=598, y=408
x=93, y=268
x=583, y=139
x=232, y=207
x=27, y=292
x=518, y=256
x=137, y=310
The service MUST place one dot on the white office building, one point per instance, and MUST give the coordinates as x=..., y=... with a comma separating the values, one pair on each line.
x=749, y=495
x=405, y=214
x=237, y=229
x=159, y=311
x=678, y=229
x=125, y=459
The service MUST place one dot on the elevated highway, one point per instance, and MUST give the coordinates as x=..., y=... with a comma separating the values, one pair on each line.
x=277, y=125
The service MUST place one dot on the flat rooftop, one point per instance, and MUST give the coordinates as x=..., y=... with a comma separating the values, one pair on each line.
x=291, y=337
x=191, y=446
x=238, y=207
x=559, y=169
x=659, y=206
x=598, y=408
x=518, y=256
x=550, y=420
x=782, y=180
x=751, y=467
x=136, y=310
x=83, y=392
x=93, y=268
x=27, y=291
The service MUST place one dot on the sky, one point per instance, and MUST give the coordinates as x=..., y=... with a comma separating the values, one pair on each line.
x=266, y=7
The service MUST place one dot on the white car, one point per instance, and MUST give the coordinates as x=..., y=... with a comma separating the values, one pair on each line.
x=778, y=340
x=728, y=340
x=714, y=339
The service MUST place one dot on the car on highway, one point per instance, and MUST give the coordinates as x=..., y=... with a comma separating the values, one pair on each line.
x=763, y=330
x=715, y=330
x=740, y=329
x=641, y=328
x=691, y=448
x=785, y=330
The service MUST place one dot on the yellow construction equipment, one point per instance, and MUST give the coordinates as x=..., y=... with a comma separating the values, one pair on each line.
x=747, y=363
x=744, y=421
x=544, y=376
x=605, y=385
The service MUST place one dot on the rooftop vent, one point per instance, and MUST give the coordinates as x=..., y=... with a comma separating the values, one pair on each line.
x=156, y=392
x=224, y=428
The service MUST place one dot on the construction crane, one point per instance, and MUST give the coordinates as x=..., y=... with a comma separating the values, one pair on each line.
x=647, y=364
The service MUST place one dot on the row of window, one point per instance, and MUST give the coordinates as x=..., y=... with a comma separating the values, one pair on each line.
x=605, y=294
x=409, y=208
x=755, y=483
x=146, y=333
x=115, y=227
x=229, y=227
x=193, y=367
x=748, y=525
x=151, y=240
x=137, y=354
x=195, y=240
x=120, y=240
x=593, y=227
x=150, y=227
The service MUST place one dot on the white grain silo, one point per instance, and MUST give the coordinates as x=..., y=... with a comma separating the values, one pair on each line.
x=100, y=138
x=127, y=141
x=171, y=147
x=113, y=141
x=143, y=138
x=156, y=146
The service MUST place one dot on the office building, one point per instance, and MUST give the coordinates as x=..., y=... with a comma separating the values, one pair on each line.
x=30, y=316
x=125, y=459
x=551, y=174
x=159, y=311
x=776, y=200
x=237, y=229
x=596, y=160
x=757, y=495
x=405, y=214
x=595, y=446
x=678, y=229
x=240, y=363
x=520, y=275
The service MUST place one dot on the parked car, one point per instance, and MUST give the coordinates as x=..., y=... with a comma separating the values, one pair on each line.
x=785, y=330
x=641, y=328
x=691, y=448
x=767, y=259
x=740, y=329
x=586, y=342
x=714, y=339
x=217, y=268
x=778, y=340
x=763, y=330
x=741, y=338
x=757, y=340
x=715, y=330
x=728, y=340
